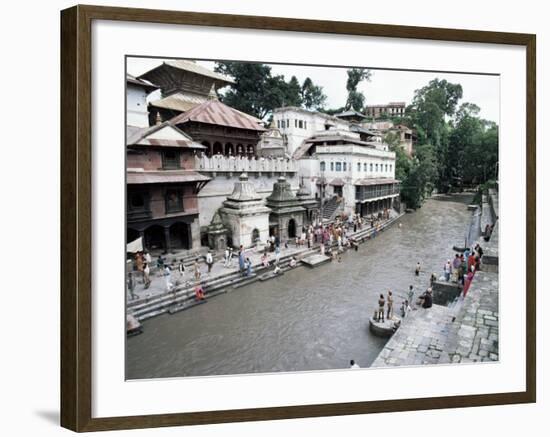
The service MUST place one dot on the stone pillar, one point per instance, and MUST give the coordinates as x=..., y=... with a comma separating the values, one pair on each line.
x=167, y=242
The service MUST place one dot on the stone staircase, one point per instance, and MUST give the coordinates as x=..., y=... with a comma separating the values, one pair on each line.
x=330, y=208
x=183, y=295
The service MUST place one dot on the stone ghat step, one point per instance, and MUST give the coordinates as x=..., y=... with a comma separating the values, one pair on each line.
x=149, y=307
x=206, y=282
x=160, y=304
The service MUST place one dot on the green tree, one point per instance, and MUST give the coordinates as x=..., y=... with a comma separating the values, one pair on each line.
x=312, y=95
x=356, y=99
x=257, y=92
x=473, y=146
x=420, y=173
x=431, y=109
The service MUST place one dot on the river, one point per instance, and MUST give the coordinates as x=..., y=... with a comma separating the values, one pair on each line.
x=307, y=319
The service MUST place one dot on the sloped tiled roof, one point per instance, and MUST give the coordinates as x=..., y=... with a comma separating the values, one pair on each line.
x=148, y=86
x=145, y=137
x=164, y=177
x=180, y=101
x=193, y=67
x=215, y=112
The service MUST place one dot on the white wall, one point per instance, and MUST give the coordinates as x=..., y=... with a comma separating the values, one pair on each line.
x=30, y=322
x=137, y=114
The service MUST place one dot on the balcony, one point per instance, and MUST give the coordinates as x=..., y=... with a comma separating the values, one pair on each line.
x=367, y=193
x=138, y=215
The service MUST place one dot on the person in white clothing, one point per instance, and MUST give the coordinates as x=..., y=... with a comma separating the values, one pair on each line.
x=209, y=261
x=353, y=365
x=168, y=278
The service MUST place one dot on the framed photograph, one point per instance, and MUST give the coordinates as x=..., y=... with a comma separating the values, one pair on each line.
x=268, y=218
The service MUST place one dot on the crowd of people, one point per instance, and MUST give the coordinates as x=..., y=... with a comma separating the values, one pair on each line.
x=461, y=271
x=332, y=239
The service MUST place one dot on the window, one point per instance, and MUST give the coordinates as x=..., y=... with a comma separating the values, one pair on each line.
x=279, y=124
x=305, y=124
x=137, y=202
x=376, y=167
x=345, y=166
x=295, y=122
x=371, y=167
x=365, y=166
x=174, y=200
x=358, y=166
x=391, y=167
x=301, y=124
x=322, y=166
x=287, y=122
x=332, y=166
x=338, y=166
x=170, y=159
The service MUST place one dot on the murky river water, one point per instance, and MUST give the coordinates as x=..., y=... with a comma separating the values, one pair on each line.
x=306, y=319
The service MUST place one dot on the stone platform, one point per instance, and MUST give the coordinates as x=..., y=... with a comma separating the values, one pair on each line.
x=385, y=328
x=315, y=260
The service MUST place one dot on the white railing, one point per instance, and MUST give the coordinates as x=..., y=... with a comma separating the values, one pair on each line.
x=244, y=164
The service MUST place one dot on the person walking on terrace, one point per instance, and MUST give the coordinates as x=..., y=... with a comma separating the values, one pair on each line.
x=241, y=259
x=197, y=269
x=168, y=278
x=209, y=261
x=248, y=265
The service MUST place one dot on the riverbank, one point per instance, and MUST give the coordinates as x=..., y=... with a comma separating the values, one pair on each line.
x=156, y=301
x=307, y=319
x=464, y=332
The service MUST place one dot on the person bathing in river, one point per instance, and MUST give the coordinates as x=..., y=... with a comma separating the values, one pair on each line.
x=381, y=305
x=417, y=269
x=410, y=294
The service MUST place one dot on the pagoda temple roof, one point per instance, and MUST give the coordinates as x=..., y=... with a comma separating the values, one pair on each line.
x=160, y=135
x=190, y=66
x=215, y=112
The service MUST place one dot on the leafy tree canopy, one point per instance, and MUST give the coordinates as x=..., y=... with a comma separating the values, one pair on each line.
x=356, y=99
x=257, y=92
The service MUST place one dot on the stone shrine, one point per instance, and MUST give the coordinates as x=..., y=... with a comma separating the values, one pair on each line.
x=245, y=214
x=287, y=217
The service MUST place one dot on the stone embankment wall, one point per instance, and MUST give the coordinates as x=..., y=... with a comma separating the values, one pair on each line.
x=464, y=332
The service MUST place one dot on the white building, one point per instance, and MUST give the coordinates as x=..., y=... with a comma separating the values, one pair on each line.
x=347, y=166
x=297, y=124
x=137, y=91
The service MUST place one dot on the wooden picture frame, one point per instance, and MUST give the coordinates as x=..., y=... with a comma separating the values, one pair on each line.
x=76, y=217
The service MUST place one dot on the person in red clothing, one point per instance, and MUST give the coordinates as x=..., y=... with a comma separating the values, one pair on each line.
x=199, y=292
x=471, y=260
x=468, y=281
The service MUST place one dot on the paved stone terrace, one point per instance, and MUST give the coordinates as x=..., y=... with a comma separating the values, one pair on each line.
x=474, y=335
x=430, y=336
